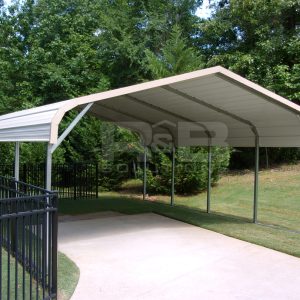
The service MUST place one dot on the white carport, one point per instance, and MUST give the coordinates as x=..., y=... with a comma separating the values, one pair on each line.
x=210, y=107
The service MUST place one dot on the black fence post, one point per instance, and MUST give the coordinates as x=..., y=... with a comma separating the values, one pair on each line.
x=97, y=180
x=24, y=177
x=54, y=245
x=75, y=181
x=13, y=209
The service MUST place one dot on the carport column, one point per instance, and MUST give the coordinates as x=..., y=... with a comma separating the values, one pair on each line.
x=48, y=167
x=48, y=187
x=208, y=177
x=17, y=161
x=256, y=179
x=173, y=175
x=16, y=187
x=145, y=173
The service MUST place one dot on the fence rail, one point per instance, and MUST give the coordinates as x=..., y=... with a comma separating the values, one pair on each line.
x=76, y=180
x=28, y=241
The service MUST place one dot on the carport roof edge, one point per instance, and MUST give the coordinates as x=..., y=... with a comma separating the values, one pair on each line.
x=245, y=105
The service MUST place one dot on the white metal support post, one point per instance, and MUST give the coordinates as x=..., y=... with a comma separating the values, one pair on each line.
x=50, y=150
x=49, y=167
x=209, y=158
x=173, y=175
x=145, y=173
x=17, y=161
x=48, y=187
x=17, y=177
x=255, y=202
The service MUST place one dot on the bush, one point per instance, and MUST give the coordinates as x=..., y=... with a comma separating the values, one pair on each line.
x=112, y=174
x=191, y=170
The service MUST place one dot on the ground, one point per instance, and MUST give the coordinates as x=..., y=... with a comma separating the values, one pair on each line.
x=147, y=256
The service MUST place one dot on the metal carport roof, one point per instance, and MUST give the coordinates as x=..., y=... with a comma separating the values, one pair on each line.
x=210, y=107
x=214, y=98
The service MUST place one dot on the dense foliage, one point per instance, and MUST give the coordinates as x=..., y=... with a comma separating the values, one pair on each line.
x=55, y=50
x=191, y=169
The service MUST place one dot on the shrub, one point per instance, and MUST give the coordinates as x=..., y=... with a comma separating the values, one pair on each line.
x=191, y=168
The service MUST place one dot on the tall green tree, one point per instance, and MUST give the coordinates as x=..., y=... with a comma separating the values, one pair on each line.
x=175, y=57
x=258, y=39
x=128, y=28
x=55, y=50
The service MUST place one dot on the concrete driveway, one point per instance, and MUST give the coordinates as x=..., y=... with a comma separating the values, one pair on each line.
x=148, y=256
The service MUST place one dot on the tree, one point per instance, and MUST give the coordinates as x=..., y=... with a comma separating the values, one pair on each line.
x=129, y=27
x=176, y=57
x=257, y=39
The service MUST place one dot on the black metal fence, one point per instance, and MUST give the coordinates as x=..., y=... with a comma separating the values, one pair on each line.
x=28, y=241
x=76, y=180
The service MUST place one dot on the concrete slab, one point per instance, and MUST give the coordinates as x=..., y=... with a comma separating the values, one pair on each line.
x=148, y=256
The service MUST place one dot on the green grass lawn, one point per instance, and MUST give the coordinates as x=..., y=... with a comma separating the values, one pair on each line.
x=279, y=196
x=279, y=204
x=68, y=275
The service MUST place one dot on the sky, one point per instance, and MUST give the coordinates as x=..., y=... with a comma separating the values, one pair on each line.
x=203, y=12
x=7, y=2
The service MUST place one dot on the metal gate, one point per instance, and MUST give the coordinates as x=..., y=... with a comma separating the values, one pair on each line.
x=28, y=241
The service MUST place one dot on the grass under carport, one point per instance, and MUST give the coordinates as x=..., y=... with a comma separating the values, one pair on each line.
x=279, y=203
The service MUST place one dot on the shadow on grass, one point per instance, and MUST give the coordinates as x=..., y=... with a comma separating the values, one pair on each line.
x=126, y=205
